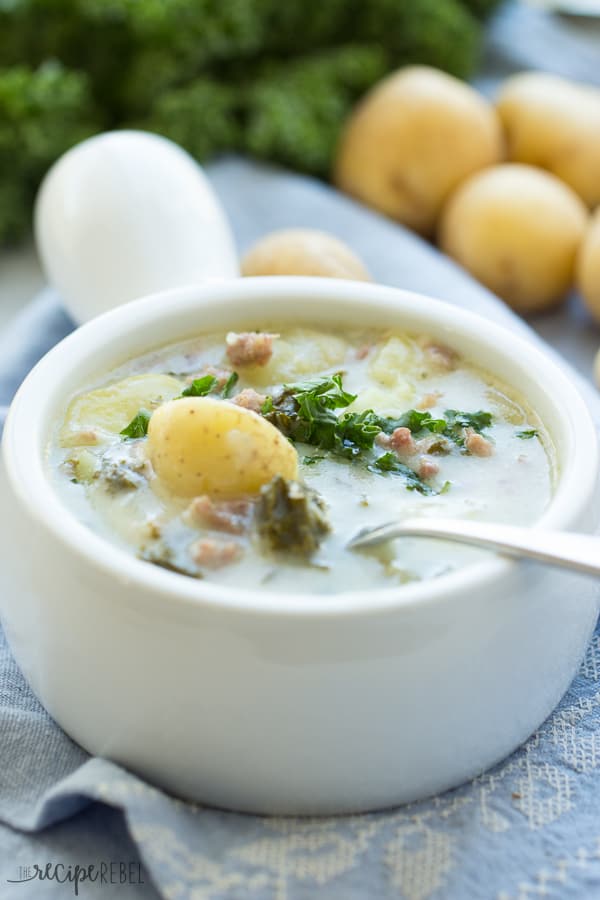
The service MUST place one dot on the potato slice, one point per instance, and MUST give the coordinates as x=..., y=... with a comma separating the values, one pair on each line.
x=95, y=417
x=200, y=445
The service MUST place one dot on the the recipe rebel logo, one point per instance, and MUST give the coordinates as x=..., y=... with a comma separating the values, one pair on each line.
x=101, y=873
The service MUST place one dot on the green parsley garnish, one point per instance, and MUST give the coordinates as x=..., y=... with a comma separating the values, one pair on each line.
x=311, y=460
x=229, y=385
x=200, y=387
x=526, y=435
x=305, y=413
x=138, y=427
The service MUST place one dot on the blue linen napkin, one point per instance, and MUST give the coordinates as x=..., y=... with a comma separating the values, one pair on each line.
x=529, y=828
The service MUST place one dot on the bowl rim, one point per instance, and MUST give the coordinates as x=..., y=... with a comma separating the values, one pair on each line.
x=24, y=458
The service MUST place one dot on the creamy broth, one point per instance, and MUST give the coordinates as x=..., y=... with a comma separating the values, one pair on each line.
x=438, y=437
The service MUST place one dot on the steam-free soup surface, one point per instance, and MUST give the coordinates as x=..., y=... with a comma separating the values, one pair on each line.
x=252, y=458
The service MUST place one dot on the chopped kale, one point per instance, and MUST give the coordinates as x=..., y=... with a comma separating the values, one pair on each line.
x=527, y=435
x=290, y=517
x=229, y=385
x=477, y=420
x=159, y=554
x=359, y=429
x=138, y=427
x=415, y=420
x=389, y=462
x=305, y=413
x=200, y=387
x=330, y=392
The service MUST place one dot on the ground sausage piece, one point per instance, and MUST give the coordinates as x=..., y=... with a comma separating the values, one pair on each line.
x=232, y=516
x=363, y=351
x=476, y=443
x=213, y=553
x=427, y=467
x=250, y=347
x=441, y=356
x=428, y=401
x=250, y=399
x=400, y=440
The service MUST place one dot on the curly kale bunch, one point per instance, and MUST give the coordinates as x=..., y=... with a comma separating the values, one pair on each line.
x=270, y=78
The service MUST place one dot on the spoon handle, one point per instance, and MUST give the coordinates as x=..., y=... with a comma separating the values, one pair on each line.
x=580, y=552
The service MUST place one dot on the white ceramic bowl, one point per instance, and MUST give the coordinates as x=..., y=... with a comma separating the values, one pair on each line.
x=288, y=703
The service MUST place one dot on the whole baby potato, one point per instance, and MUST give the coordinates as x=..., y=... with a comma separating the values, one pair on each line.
x=413, y=138
x=199, y=445
x=303, y=251
x=588, y=266
x=516, y=229
x=555, y=124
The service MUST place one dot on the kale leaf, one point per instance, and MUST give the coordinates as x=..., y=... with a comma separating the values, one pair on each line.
x=229, y=385
x=200, y=387
x=527, y=435
x=138, y=427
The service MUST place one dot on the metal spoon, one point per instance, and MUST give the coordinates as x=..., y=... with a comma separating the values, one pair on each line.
x=580, y=552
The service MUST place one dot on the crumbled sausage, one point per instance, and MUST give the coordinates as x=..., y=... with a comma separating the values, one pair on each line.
x=250, y=399
x=428, y=401
x=250, y=347
x=440, y=356
x=213, y=553
x=477, y=444
x=231, y=516
x=427, y=467
x=400, y=440
x=363, y=351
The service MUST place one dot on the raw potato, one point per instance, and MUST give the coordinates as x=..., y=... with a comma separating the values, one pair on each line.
x=95, y=417
x=412, y=139
x=516, y=229
x=198, y=445
x=588, y=267
x=555, y=124
x=303, y=251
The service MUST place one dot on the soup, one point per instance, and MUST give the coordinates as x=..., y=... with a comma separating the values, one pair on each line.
x=252, y=458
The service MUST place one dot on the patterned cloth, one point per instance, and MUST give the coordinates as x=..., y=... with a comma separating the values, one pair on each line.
x=529, y=828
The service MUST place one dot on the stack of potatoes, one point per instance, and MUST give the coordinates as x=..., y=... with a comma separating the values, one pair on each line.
x=507, y=190
x=429, y=151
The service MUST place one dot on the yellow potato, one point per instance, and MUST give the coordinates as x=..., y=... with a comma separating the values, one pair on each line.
x=199, y=445
x=303, y=251
x=94, y=417
x=555, y=124
x=588, y=267
x=516, y=229
x=413, y=138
